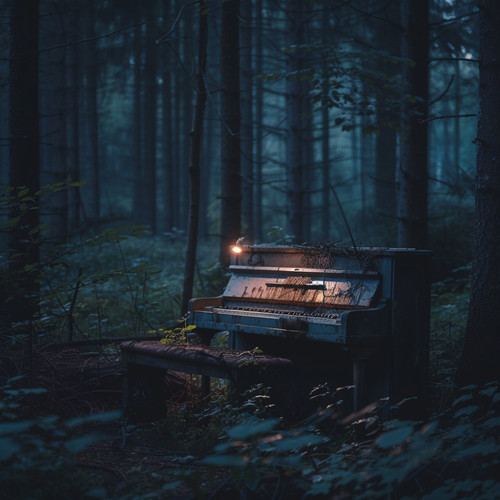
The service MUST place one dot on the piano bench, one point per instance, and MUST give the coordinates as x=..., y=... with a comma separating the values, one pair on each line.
x=145, y=364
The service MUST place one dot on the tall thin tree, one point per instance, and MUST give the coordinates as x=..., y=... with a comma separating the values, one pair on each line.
x=294, y=114
x=137, y=114
x=230, y=141
x=259, y=125
x=24, y=250
x=92, y=190
x=54, y=147
x=386, y=33
x=150, y=128
x=196, y=137
x=247, y=118
x=73, y=79
x=412, y=170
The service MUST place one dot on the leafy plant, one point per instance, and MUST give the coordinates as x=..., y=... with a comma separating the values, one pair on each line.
x=175, y=335
x=36, y=455
x=453, y=455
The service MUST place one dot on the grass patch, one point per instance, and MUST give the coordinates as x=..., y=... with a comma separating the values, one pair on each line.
x=118, y=285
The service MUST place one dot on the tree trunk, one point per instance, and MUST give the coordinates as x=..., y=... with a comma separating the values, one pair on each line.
x=207, y=169
x=364, y=155
x=167, y=150
x=325, y=144
x=481, y=352
x=448, y=170
x=24, y=160
x=307, y=136
x=137, y=127
x=386, y=141
x=150, y=129
x=167, y=127
x=294, y=144
x=247, y=120
x=53, y=151
x=196, y=137
x=176, y=151
x=91, y=192
x=412, y=172
x=73, y=122
x=356, y=156
x=457, y=99
x=259, y=126
x=230, y=138
x=385, y=173
x=186, y=116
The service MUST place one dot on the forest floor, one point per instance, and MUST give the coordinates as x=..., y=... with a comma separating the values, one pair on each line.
x=63, y=435
x=68, y=439
x=106, y=456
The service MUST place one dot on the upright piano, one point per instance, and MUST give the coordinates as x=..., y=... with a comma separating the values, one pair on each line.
x=346, y=316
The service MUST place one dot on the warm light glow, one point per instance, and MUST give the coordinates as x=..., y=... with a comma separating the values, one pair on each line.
x=236, y=249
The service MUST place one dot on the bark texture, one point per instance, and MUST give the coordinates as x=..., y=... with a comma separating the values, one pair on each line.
x=230, y=142
x=137, y=130
x=54, y=146
x=91, y=192
x=259, y=128
x=412, y=172
x=294, y=111
x=385, y=149
x=247, y=119
x=24, y=159
x=481, y=354
x=150, y=129
x=196, y=137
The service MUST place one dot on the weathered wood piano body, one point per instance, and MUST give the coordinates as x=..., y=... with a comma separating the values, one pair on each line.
x=320, y=314
x=349, y=317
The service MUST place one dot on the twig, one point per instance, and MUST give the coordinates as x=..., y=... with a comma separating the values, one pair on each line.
x=347, y=225
x=444, y=117
x=177, y=19
x=445, y=91
x=99, y=331
x=454, y=19
x=73, y=302
x=452, y=59
x=92, y=38
x=124, y=432
x=58, y=299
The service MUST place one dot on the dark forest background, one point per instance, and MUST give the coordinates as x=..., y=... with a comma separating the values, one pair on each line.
x=140, y=140
x=303, y=131
x=320, y=99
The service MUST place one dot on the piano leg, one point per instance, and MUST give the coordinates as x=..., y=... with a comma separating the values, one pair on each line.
x=205, y=339
x=358, y=381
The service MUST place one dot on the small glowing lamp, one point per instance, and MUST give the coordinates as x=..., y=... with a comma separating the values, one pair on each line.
x=236, y=249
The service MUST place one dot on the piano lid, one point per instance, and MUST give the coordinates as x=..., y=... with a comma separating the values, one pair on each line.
x=306, y=287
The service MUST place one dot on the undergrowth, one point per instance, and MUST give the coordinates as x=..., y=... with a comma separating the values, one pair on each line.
x=118, y=284
x=37, y=456
x=452, y=455
x=450, y=301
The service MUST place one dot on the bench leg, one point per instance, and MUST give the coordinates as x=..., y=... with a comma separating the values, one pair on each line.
x=358, y=381
x=205, y=385
x=144, y=392
x=206, y=337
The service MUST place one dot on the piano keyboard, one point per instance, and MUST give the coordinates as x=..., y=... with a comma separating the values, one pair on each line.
x=281, y=312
